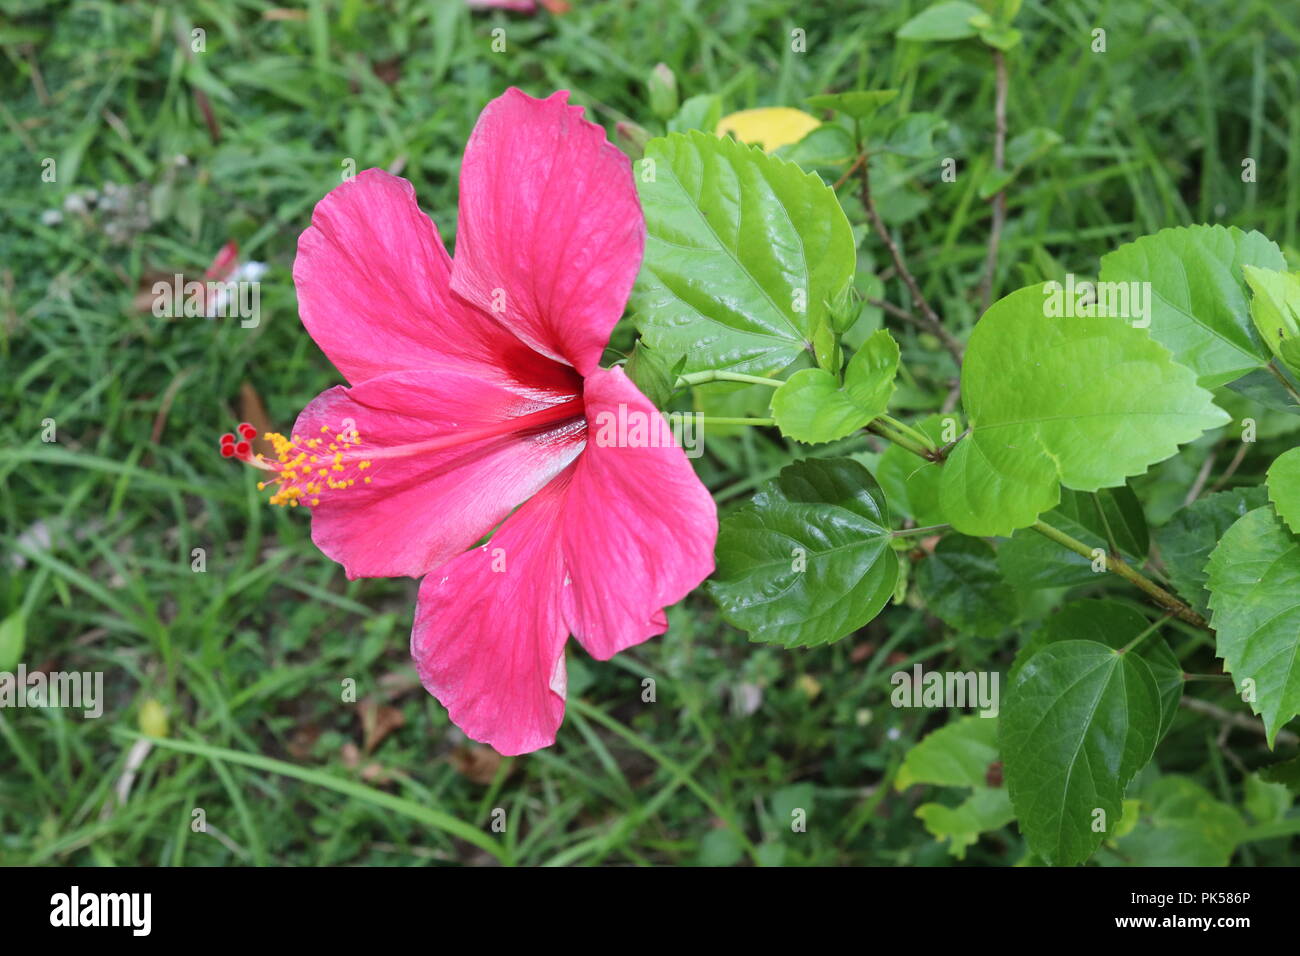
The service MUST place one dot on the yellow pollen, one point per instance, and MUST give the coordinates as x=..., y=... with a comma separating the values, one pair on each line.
x=295, y=482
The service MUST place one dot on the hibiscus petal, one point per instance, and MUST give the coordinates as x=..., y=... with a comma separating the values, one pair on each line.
x=373, y=284
x=639, y=526
x=489, y=632
x=551, y=232
x=445, y=465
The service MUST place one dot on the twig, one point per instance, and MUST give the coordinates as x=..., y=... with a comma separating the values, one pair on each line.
x=1202, y=477
x=999, y=164
x=1236, y=720
x=1232, y=467
x=929, y=316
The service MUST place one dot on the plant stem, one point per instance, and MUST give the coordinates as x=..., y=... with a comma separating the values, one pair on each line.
x=1144, y=635
x=879, y=427
x=909, y=431
x=711, y=420
x=700, y=378
x=1119, y=566
x=1000, y=200
x=1277, y=374
x=930, y=317
x=1114, y=563
x=929, y=529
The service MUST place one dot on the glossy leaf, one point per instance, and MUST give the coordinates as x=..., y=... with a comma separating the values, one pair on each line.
x=962, y=586
x=743, y=251
x=809, y=559
x=1084, y=402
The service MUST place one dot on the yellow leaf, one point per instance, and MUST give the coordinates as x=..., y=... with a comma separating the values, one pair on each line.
x=770, y=127
x=153, y=718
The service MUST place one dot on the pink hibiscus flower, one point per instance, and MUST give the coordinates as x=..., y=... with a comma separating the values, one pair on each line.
x=473, y=384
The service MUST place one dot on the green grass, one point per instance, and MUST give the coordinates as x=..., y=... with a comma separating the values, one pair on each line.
x=249, y=656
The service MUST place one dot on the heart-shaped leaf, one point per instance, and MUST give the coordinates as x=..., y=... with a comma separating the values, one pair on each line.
x=1115, y=625
x=808, y=560
x=1080, y=720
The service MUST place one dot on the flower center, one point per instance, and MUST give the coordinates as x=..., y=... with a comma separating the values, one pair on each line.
x=305, y=468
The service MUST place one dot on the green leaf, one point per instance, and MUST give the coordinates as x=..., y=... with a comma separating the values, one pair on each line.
x=943, y=21
x=813, y=407
x=1079, y=721
x=809, y=559
x=960, y=826
x=1001, y=39
x=829, y=145
x=911, y=136
x=859, y=104
x=962, y=586
x=743, y=251
x=1055, y=401
x=1284, y=487
x=1285, y=772
x=958, y=754
x=1199, y=306
x=1116, y=625
x=1182, y=824
x=1032, y=561
x=699, y=112
x=1266, y=801
x=1186, y=541
x=1024, y=149
x=1254, y=582
x=653, y=373
x=721, y=847
x=1275, y=310
x=13, y=637
x=911, y=483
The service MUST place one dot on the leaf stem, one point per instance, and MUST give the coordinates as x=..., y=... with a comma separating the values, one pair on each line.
x=1114, y=563
x=713, y=375
x=1277, y=374
x=929, y=529
x=909, y=431
x=886, y=431
x=1118, y=565
x=712, y=420
x=930, y=317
